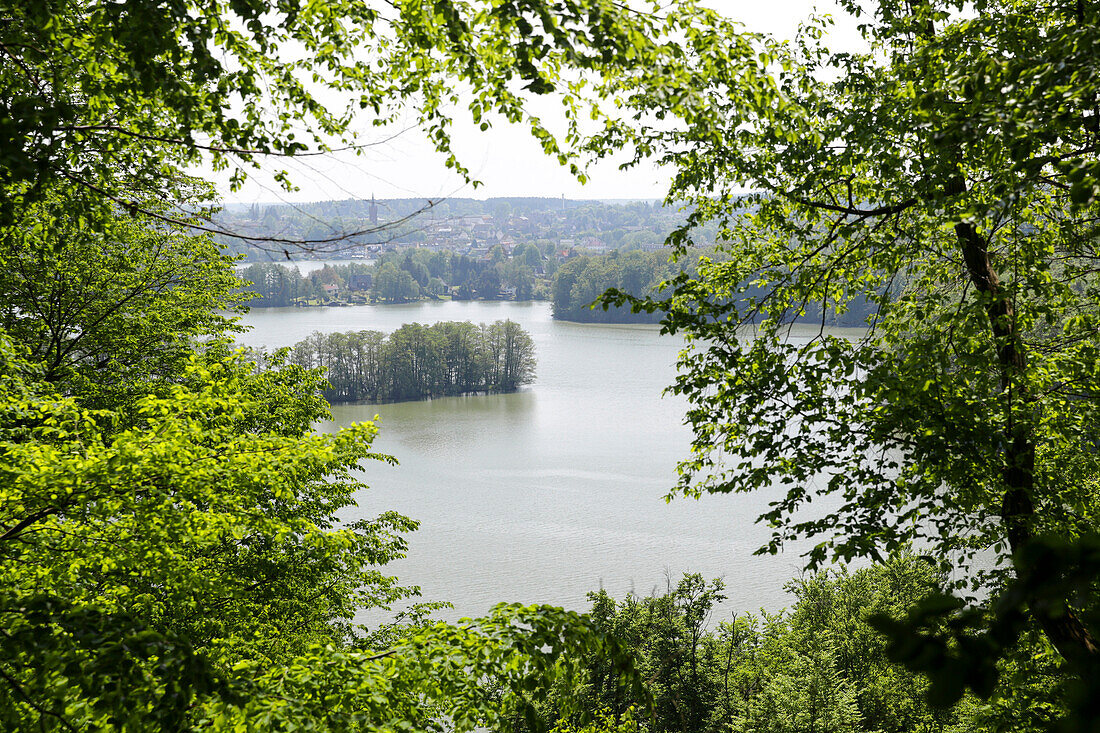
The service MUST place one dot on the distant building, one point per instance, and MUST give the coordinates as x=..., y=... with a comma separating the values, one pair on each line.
x=594, y=244
x=373, y=211
x=360, y=282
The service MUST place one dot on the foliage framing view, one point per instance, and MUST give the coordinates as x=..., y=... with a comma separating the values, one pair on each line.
x=169, y=544
x=948, y=175
x=164, y=528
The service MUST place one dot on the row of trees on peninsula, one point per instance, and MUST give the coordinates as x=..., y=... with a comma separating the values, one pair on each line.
x=417, y=362
x=572, y=285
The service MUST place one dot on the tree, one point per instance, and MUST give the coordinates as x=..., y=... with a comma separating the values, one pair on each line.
x=115, y=99
x=580, y=282
x=527, y=253
x=393, y=285
x=817, y=667
x=416, y=268
x=668, y=634
x=110, y=312
x=948, y=176
x=204, y=524
x=517, y=354
x=170, y=551
x=487, y=283
x=518, y=276
x=465, y=355
x=273, y=285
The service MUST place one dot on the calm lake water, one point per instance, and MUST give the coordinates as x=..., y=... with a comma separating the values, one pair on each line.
x=546, y=494
x=305, y=267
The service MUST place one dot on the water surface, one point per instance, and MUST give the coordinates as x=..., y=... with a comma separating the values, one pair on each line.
x=546, y=494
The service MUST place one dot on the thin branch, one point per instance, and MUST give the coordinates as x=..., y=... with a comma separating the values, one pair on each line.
x=861, y=214
x=16, y=687
x=229, y=150
x=304, y=243
x=15, y=530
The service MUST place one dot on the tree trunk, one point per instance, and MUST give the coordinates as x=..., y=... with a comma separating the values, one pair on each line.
x=1066, y=632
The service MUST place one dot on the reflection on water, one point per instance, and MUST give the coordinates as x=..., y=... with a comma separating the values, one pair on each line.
x=546, y=494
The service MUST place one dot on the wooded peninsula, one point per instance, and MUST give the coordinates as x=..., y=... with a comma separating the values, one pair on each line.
x=418, y=362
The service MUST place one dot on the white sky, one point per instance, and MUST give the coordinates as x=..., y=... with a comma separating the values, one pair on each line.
x=506, y=159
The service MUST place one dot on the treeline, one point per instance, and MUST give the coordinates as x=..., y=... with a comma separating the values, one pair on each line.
x=820, y=666
x=274, y=285
x=414, y=273
x=403, y=277
x=418, y=362
x=579, y=281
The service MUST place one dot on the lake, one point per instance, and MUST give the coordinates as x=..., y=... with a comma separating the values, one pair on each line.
x=304, y=267
x=546, y=494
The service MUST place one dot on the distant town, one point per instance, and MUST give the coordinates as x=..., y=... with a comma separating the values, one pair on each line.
x=404, y=250
x=356, y=229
